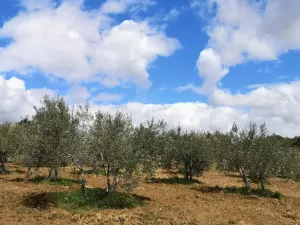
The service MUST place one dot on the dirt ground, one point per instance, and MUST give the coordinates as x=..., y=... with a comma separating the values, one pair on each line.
x=169, y=203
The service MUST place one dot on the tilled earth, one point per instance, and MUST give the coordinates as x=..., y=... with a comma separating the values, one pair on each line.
x=169, y=203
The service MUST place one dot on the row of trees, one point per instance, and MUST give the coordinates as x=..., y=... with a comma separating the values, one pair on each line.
x=58, y=135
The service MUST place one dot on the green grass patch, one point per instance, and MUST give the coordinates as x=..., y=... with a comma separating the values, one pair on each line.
x=243, y=191
x=174, y=180
x=97, y=199
x=56, y=182
x=18, y=171
x=257, y=192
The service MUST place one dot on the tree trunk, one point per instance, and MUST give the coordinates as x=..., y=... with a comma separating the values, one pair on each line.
x=55, y=173
x=190, y=172
x=3, y=167
x=115, y=182
x=261, y=181
x=244, y=177
x=186, y=170
x=109, y=187
x=83, y=184
x=50, y=173
x=29, y=172
x=95, y=167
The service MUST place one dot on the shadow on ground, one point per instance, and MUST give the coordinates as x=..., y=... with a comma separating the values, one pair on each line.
x=173, y=180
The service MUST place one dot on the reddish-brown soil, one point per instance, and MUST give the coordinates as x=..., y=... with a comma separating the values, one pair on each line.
x=169, y=204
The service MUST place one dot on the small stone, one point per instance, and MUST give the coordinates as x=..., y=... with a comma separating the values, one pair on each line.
x=99, y=216
x=122, y=218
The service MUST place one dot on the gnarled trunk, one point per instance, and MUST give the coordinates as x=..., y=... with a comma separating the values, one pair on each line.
x=3, y=167
x=190, y=172
x=83, y=183
x=186, y=171
x=261, y=181
x=242, y=173
x=55, y=173
x=29, y=172
x=109, y=186
x=50, y=173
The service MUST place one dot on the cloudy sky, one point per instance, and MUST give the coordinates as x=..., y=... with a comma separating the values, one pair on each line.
x=201, y=63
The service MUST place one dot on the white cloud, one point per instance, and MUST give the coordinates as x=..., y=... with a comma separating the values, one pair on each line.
x=191, y=115
x=16, y=100
x=248, y=30
x=79, y=45
x=128, y=57
x=210, y=69
x=278, y=105
x=108, y=97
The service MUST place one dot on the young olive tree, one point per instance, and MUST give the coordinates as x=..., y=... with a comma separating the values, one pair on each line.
x=239, y=150
x=12, y=143
x=52, y=133
x=6, y=147
x=148, y=144
x=265, y=157
x=290, y=159
x=220, y=144
x=112, y=145
x=189, y=151
x=80, y=141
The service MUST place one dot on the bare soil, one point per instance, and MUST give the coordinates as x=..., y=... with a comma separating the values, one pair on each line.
x=169, y=203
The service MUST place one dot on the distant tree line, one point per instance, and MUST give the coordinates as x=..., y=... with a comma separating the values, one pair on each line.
x=58, y=135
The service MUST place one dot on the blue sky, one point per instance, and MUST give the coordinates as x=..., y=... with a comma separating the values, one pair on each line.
x=217, y=61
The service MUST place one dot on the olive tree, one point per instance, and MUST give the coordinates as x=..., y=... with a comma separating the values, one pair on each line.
x=52, y=135
x=112, y=145
x=189, y=151
x=148, y=144
x=80, y=141
x=266, y=156
x=289, y=166
x=239, y=144
x=6, y=147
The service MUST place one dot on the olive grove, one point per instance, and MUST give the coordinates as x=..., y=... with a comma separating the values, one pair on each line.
x=58, y=135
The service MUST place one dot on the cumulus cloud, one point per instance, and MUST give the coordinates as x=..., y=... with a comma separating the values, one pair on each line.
x=210, y=69
x=75, y=44
x=277, y=105
x=243, y=30
x=191, y=115
x=16, y=100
